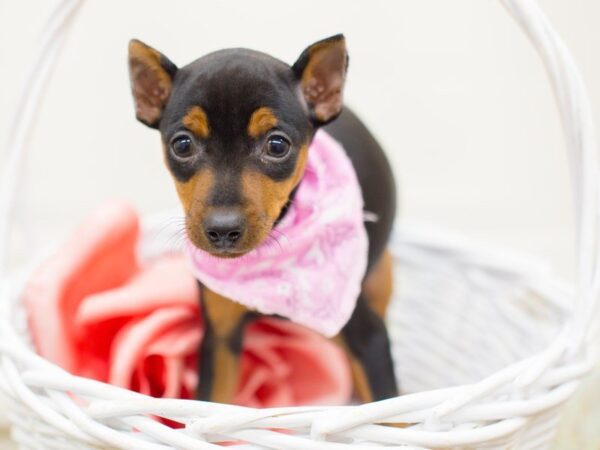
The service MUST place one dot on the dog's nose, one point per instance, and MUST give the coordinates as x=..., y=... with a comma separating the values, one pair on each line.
x=224, y=228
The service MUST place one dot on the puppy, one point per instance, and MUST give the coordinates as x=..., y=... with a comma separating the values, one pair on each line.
x=236, y=127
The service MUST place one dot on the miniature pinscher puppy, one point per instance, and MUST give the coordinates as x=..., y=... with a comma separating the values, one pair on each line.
x=236, y=126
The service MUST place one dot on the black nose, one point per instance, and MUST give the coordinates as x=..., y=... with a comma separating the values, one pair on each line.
x=224, y=228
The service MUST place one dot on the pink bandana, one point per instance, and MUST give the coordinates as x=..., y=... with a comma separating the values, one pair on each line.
x=314, y=277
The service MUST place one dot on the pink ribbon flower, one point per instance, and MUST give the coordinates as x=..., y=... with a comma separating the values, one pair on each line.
x=98, y=312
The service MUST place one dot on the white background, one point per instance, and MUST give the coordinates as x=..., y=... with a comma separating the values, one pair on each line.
x=451, y=88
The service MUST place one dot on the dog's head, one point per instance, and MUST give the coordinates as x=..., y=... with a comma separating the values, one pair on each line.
x=236, y=125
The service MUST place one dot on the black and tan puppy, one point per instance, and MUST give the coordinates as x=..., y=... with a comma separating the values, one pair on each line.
x=218, y=117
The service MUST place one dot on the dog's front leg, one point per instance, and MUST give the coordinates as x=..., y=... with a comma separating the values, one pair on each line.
x=366, y=340
x=224, y=324
x=365, y=337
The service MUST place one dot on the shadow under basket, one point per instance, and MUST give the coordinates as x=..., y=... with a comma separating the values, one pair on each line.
x=487, y=346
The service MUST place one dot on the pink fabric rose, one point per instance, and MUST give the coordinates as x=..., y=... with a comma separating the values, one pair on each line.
x=98, y=312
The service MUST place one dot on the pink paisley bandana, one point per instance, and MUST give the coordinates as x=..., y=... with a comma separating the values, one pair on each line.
x=314, y=276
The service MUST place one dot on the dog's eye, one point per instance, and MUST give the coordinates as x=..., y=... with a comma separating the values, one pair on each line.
x=182, y=146
x=277, y=146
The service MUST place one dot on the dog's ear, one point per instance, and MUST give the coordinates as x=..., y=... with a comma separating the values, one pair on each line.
x=151, y=75
x=321, y=70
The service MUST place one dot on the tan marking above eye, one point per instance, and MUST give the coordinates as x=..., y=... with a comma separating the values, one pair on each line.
x=197, y=122
x=261, y=121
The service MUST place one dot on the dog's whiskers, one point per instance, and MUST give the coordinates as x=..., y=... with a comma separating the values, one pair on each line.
x=175, y=227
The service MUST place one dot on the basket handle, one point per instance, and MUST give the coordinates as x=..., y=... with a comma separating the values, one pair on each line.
x=569, y=89
x=578, y=126
x=51, y=41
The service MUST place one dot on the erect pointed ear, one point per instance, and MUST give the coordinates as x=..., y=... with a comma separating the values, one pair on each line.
x=321, y=70
x=151, y=74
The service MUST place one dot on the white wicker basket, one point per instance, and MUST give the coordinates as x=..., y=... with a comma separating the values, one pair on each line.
x=489, y=346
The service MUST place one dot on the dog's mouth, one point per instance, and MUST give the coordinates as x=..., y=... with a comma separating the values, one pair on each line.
x=234, y=251
x=228, y=253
